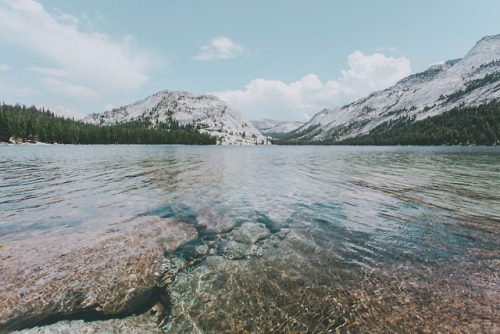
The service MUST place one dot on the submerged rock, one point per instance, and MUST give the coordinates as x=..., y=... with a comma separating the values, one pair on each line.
x=131, y=325
x=235, y=250
x=202, y=249
x=214, y=223
x=250, y=233
x=113, y=276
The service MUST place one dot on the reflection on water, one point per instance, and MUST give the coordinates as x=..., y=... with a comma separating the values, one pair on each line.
x=301, y=238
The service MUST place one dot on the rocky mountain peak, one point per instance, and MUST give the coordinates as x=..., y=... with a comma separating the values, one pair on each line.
x=207, y=113
x=469, y=81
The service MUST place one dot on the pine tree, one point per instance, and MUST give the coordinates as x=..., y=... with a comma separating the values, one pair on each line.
x=5, y=132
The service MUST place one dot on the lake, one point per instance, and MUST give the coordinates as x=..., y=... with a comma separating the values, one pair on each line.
x=289, y=239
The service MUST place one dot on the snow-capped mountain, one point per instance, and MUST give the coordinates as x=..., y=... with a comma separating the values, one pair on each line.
x=269, y=127
x=472, y=80
x=208, y=113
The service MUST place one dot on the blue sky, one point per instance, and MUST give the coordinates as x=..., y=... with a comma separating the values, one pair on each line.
x=270, y=59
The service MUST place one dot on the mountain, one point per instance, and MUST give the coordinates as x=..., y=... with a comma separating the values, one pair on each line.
x=31, y=125
x=207, y=113
x=470, y=81
x=472, y=125
x=272, y=128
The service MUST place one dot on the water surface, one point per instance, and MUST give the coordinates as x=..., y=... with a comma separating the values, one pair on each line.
x=356, y=238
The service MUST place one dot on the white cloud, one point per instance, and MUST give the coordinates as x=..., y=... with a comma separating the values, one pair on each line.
x=128, y=38
x=368, y=73
x=90, y=59
x=4, y=67
x=303, y=98
x=56, y=72
x=68, y=19
x=63, y=111
x=220, y=48
x=18, y=91
x=76, y=92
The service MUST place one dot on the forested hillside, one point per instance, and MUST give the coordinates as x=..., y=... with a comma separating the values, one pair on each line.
x=470, y=81
x=207, y=113
x=32, y=125
x=460, y=126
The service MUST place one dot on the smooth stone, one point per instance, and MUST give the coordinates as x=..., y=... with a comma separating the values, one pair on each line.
x=110, y=274
x=250, y=233
x=216, y=224
x=283, y=233
x=132, y=325
x=236, y=250
x=201, y=250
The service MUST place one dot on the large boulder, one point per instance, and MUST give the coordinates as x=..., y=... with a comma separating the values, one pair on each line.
x=111, y=274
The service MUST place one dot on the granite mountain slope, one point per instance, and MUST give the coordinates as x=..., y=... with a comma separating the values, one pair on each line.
x=269, y=127
x=470, y=81
x=207, y=113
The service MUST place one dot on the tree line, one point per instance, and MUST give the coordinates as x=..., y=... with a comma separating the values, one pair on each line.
x=478, y=125
x=29, y=124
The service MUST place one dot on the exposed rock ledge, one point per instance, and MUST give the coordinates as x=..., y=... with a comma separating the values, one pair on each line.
x=112, y=276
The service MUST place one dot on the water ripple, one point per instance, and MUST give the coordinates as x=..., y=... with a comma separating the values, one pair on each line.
x=368, y=206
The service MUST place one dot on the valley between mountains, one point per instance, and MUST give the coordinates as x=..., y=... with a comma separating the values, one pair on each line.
x=467, y=82
x=451, y=103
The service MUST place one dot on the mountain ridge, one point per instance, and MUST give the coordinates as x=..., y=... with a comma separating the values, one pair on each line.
x=268, y=127
x=207, y=113
x=471, y=80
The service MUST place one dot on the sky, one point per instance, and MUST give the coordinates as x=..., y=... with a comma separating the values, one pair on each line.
x=277, y=59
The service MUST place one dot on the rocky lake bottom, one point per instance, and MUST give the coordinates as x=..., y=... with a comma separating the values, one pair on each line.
x=243, y=240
